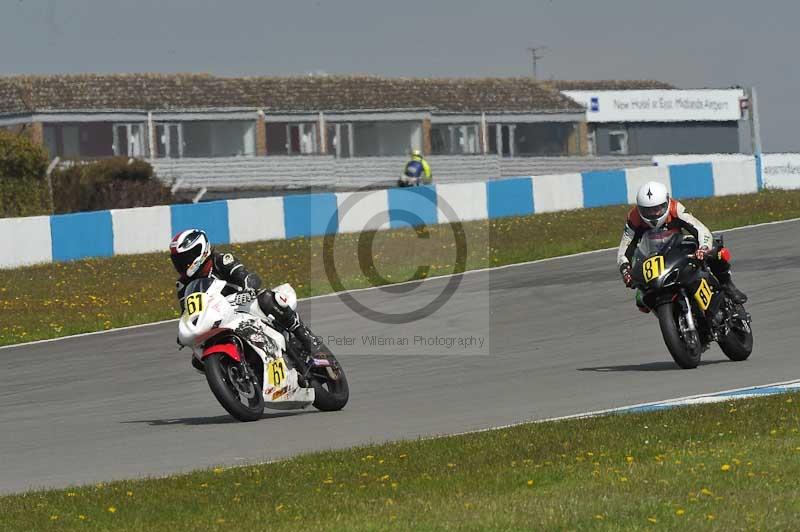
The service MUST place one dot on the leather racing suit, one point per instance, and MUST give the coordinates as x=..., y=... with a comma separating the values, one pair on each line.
x=678, y=219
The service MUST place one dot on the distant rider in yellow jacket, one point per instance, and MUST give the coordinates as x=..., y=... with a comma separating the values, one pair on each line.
x=417, y=171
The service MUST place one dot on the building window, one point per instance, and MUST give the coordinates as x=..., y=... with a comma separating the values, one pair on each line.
x=501, y=139
x=384, y=139
x=455, y=139
x=302, y=138
x=50, y=134
x=76, y=141
x=542, y=138
x=218, y=138
x=169, y=140
x=128, y=140
x=339, y=139
x=618, y=142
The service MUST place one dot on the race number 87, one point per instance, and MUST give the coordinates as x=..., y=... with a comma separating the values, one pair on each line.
x=703, y=295
x=652, y=268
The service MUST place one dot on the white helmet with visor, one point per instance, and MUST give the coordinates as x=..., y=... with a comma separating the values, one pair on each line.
x=652, y=201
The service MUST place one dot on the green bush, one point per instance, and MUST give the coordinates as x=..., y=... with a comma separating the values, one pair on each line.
x=108, y=184
x=23, y=166
x=118, y=169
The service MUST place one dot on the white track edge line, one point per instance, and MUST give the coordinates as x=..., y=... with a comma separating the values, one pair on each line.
x=623, y=409
x=443, y=276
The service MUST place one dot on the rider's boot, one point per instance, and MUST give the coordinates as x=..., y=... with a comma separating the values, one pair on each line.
x=640, y=304
x=309, y=341
x=736, y=295
x=287, y=318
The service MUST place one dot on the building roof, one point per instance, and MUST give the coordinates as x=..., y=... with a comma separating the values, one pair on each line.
x=610, y=85
x=175, y=92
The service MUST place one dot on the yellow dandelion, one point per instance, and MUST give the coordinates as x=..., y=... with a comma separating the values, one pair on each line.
x=706, y=491
x=218, y=470
x=82, y=517
x=652, y=519
x=710, y=517
x=680, y=511
x=112, y=509
x=599, y=517
x=629, y=459
x=54, y=518
x=725, y=467
x=71, y=494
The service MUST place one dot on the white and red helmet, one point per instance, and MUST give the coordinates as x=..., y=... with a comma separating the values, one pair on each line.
x=189, y=251
x=652, y=201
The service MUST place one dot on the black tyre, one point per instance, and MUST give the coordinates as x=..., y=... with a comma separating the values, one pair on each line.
x=242, y=398
x=683, y=356
x=331, y=391
x=738, y=343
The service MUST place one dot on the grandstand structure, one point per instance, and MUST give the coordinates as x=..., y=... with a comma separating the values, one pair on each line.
x=325, y=131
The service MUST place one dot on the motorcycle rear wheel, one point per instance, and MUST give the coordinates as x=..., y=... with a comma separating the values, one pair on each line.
x=221, y=373
x=683, y=356
x=330, y=394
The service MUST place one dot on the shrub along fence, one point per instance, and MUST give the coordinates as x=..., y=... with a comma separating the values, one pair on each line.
x=23, y=186
x=112, y=183
x=116, y=183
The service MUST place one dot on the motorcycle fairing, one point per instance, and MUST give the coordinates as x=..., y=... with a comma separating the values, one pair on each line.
x=270, y=345
x=228, y=349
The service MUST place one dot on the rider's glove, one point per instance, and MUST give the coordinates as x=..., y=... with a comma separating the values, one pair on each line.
x=627, y=278
x=245, y=296
x=701, y=253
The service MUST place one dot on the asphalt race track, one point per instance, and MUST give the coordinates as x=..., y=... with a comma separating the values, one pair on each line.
x=560, y=337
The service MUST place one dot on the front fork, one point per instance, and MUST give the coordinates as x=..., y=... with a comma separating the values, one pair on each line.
x=686, y=310
x=687, y=325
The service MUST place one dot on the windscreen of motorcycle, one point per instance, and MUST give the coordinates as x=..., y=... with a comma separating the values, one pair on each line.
x=653, y=241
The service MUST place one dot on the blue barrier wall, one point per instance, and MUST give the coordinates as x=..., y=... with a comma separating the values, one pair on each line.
x=98, y=234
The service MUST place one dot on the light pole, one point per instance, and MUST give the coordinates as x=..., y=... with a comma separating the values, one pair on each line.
x=535, y=56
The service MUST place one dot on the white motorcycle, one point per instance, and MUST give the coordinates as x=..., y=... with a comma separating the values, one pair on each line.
x=248, y=364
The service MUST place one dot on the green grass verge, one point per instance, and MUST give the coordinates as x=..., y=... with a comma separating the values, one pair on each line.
x=726, y=466
x=54, y=300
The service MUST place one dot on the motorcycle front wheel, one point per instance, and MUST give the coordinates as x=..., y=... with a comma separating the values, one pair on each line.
x=331, y=391
x=683, y=356
x=239, y=396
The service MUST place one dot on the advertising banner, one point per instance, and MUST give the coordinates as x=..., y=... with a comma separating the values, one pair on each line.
x=660, y=105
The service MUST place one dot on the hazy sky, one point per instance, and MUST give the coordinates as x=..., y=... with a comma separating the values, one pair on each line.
x=690, y=43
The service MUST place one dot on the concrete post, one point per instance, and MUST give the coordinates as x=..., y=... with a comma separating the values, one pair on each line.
x=577, y=142
x=484, y=135
x=37, y=133
x=426, y=136
x=261, y=134
x=323, y=135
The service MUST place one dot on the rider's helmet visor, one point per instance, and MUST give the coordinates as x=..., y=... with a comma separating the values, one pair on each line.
x=183, y=260
x=655, y=212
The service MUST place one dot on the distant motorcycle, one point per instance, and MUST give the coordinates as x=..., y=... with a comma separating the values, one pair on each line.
x=412, y=175
x=248, y=364
x=692, y=309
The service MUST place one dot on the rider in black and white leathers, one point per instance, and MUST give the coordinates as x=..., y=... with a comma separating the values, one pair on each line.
x=194, y=258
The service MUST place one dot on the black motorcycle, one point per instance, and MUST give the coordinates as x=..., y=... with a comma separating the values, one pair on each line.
x=691, y=307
